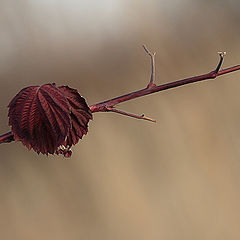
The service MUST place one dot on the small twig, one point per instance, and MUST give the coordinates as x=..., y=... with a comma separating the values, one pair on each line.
x=143, y=117
x=221, y=55
x=152, y=57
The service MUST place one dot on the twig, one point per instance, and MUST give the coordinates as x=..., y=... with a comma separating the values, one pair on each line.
x=221, y=55
x=143, y=117
x=102, y=106
x=152, y=57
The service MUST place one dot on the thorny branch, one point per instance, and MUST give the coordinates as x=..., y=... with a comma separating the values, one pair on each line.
x=109, y=105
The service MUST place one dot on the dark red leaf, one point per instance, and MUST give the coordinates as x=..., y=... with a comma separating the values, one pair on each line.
x=40, y=118
x=49, y=119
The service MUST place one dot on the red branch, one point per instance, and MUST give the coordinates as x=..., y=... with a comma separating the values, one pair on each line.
x=109, y=105
x=106, y=106
x=102, y=106
x=7, y=137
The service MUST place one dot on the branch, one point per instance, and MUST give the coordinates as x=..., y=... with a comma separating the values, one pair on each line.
x=108, y=106
x=6, y=138
x=104, y=106
x=111, y=109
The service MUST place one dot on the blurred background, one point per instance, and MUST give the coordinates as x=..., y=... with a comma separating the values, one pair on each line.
x=127, y=179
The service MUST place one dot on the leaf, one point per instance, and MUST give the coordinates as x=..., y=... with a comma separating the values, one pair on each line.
x=49, y=119
x=40, y=118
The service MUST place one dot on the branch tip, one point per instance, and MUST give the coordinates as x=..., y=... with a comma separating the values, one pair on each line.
x=221, y=55
x=147, y=51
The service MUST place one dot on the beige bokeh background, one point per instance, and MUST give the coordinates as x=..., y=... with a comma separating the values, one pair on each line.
x=127, y=179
